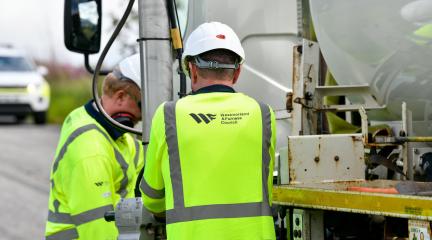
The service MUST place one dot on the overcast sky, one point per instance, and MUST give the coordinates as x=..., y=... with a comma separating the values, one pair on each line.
x=37, y=26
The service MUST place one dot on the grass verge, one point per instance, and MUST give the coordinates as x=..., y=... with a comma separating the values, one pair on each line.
x=66, y=96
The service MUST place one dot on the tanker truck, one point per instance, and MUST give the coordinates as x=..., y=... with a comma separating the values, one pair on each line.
x=349, y=82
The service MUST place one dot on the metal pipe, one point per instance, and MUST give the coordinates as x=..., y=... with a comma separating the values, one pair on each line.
x=407, y=148
x=156, y=59
x=145, y=99
x=400, y=140
x=414, y=139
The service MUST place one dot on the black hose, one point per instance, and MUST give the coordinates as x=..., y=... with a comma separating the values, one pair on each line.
x=172, y=14
x=175, y=24
x=98, y=67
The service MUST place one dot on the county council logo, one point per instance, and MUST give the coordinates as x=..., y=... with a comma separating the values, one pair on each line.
x=200, y=117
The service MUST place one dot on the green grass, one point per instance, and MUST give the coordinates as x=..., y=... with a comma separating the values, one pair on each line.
x=66, y=95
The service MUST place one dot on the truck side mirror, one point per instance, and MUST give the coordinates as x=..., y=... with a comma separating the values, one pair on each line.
x=82, y=25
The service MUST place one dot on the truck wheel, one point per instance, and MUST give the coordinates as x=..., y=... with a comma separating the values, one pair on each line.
x=39, y=117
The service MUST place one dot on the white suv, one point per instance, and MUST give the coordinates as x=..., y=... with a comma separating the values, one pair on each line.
x=23, y=90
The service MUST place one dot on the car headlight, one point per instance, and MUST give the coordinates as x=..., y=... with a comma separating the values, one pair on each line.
x=46, y=90
x=33, y=88
x=41, y=88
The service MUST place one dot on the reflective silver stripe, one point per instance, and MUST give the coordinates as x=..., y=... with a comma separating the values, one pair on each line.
x=69, y=140
x=91, y=215
x=81, y=218
x=63, y=150
x=266, y=142
x=180, y=213
x=217, y=211
x=57, y=217
x=124, y=166
x=173, y=152
x=68, y=234
x=151, y=192
x=137, y=153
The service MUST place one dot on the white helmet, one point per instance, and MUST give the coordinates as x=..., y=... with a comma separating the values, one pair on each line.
x=209, y=36
x=129, y=68
x=418, y=12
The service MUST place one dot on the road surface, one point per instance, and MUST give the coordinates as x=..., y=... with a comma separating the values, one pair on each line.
x=26, y=153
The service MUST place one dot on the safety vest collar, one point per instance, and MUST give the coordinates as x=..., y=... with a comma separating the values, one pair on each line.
x=112, y=131
x=214, y=88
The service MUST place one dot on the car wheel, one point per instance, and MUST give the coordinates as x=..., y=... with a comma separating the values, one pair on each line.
x=20, y=118
x=40, y=117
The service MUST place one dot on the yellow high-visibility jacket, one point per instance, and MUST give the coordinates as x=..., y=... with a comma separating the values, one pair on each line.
x=94, y=166
x=423, y=35
x=209, y=167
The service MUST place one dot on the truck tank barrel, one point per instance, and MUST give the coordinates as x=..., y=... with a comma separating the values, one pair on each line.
x=385, y=44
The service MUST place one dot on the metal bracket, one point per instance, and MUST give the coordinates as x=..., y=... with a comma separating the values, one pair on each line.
x=314, y=158
x=364, y=125
x=352, y=90
x=305, y=79
x=306, y=99
x=308, y=224
x=407, y=147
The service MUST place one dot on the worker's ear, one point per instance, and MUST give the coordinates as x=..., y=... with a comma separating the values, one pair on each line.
x=119, y=96
x=236, y=74
x=193, y=72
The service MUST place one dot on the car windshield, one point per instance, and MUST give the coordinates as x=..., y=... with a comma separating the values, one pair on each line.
x=14, y=64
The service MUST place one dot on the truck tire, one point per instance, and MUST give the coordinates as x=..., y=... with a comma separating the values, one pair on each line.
x=40, y=117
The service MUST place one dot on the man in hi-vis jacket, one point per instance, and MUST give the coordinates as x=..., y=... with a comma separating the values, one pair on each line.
x=210, y=159
x=95, y=163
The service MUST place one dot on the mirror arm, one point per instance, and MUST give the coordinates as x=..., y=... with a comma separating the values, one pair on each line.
x=90, y=69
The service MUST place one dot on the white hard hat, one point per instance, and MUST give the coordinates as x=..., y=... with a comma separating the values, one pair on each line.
x=418, y=12
x=210, y=36
x=129, y=68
